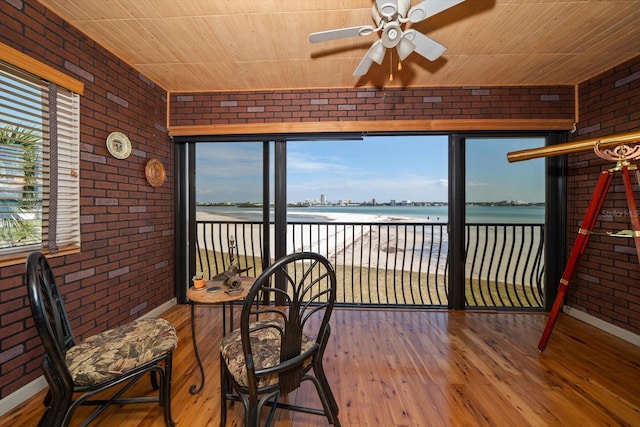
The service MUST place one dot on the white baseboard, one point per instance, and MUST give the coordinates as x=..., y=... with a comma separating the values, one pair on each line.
x=22, y=395
x=156, y=312
x=36, y=386
x=601, y=324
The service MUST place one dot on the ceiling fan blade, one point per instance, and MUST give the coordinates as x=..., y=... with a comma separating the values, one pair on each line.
x=428, y=8
x=341, y=33
x=374, y=54
x=425, y=46
x=363, y=67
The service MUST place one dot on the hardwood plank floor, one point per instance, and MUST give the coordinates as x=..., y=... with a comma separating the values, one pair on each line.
x=419, y=368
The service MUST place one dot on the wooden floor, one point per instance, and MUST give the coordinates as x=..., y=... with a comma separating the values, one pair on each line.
x=421, y=368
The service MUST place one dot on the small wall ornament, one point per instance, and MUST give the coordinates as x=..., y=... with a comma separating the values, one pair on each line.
x=155, y=173
x=119, y=145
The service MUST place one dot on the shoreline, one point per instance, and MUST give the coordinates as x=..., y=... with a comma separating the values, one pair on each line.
x=399, y=213
x=385, y=245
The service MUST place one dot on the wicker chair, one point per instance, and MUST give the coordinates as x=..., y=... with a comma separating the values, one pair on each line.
x=117, y=357
x=284, y=330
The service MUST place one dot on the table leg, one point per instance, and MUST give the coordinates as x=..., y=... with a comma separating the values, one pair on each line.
x=195, y=389
x=224, y=319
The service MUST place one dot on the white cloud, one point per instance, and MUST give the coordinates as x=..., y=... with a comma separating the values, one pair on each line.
x=300, y=162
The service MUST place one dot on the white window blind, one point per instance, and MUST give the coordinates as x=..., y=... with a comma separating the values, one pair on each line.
x=39, y=164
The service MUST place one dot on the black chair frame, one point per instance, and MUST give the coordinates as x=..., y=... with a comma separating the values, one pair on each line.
x=56, y=335
x=293, y=305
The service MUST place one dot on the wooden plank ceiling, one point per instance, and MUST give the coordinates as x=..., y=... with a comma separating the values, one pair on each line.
x=220, y=45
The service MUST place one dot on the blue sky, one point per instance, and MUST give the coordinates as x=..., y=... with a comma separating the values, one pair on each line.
x=490, y=177
x=381, y=168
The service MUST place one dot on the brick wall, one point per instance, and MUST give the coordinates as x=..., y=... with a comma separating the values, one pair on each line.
x=556, y=102
x=126, y=266
x=607, y=280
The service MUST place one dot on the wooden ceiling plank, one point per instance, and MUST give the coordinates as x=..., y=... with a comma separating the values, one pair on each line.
x=255, y=45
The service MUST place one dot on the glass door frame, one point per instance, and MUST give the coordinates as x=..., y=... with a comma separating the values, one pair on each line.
x=555, y=200
x=555, y=213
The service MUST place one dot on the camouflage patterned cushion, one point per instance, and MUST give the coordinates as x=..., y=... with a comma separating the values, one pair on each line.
x=118, y=350
x=266, y=352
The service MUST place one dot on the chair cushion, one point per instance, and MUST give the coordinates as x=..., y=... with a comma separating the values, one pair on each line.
x=113, y=352
x=265, y=344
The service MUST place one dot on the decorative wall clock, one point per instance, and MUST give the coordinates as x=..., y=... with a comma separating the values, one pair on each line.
x=118, y=145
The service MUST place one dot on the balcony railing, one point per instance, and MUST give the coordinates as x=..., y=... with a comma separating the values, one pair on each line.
x=397, y=264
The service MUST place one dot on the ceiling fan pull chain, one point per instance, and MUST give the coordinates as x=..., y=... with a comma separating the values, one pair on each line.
x=390, y=65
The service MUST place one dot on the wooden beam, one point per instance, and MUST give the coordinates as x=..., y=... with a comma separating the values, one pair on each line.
x=375, y=126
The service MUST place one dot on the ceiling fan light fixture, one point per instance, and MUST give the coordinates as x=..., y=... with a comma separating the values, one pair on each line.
x=391, y=34
x=405, y=48
x=376, y=52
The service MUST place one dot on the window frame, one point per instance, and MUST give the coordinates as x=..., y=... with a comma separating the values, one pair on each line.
x=64, y=92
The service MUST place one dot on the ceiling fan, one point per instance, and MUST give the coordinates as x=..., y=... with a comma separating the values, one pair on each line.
x=390, y=16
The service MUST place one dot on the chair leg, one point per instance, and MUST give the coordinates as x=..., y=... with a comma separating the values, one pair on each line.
x=165, y=390
x=57, y=401
x=47, y=399
x=65, y=413
x=272, y=411
x=326, y=395
x=154, y=380
x=251, y=414
x=54, y=414
x=224, y=385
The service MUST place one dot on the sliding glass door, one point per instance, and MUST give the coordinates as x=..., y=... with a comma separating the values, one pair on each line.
x=377, y=208
x=419, y=220
x=505, y=218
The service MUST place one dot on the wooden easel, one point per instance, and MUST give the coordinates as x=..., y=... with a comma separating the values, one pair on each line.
x=625, y=157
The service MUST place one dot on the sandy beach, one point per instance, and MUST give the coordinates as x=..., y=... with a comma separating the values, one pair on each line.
x=388, y=245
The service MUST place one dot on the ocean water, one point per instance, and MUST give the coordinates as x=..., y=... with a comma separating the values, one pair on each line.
x=430, y=214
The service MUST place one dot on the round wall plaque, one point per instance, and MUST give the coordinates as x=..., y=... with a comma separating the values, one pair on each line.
x=155, y=173
x=118, y=145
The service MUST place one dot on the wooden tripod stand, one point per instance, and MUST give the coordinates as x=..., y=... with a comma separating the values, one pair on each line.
x=624, y=156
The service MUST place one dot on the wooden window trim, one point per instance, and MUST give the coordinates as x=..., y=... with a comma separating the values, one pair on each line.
x=33, y=66
x=21, y=258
